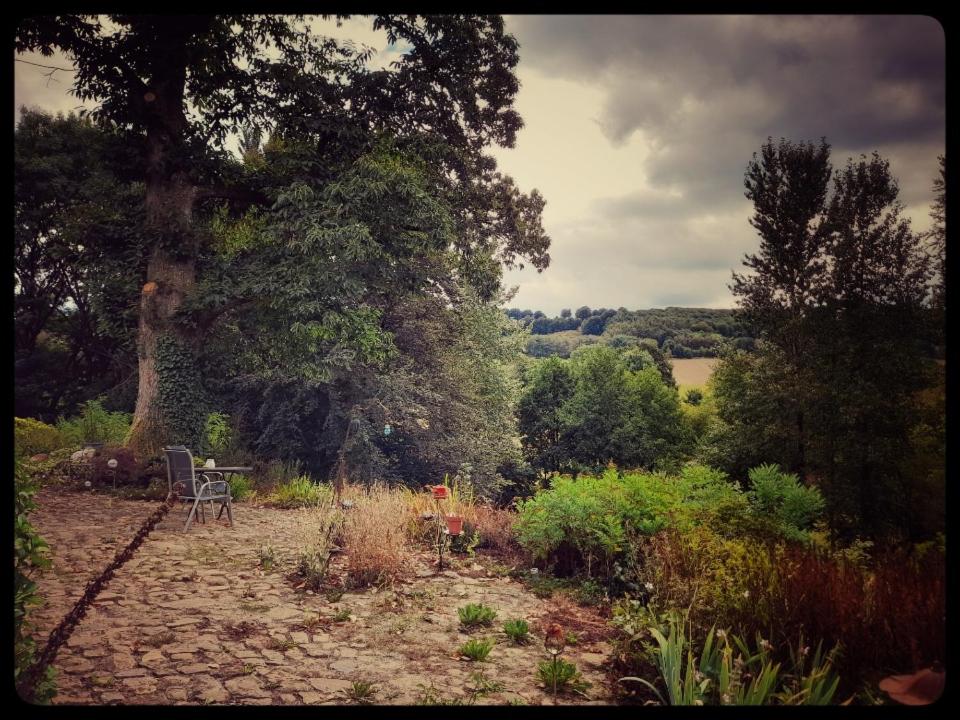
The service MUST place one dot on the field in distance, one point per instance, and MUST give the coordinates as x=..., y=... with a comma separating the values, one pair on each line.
x=692, y=371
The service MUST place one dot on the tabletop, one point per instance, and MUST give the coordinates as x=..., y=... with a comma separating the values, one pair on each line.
x=224, y=469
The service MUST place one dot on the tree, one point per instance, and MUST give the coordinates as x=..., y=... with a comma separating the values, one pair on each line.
x=184, y=83
x=549, y=387
x=837, y=294
x=582, y=313
x=77, y=262
x=565, y=313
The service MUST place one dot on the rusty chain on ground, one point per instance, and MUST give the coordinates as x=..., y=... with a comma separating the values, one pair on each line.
x=62, y=632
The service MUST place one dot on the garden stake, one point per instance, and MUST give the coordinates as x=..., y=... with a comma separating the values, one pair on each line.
x=62, y=632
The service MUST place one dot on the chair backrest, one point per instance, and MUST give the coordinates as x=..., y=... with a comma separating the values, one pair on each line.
x=180, y=468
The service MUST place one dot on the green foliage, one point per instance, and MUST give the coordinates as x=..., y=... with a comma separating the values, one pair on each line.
x=241, y=487
x=729, y=672
x=180, y=393
x=266, y=558
x=476, y=649
x=342, y=615
x=216, y=433
x=95, y=424
x=558, y=675
x=300, y=492
x=476, y=614
x=595, y=409
x=780, y=496
x=31, y=437
x=361, y=692
x=30, y=555
x=518, y=631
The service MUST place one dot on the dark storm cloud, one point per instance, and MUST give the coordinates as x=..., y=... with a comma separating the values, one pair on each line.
x=707, y=90
x=862, y=81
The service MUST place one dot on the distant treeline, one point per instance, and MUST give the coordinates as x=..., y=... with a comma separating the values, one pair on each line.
x=678, y=332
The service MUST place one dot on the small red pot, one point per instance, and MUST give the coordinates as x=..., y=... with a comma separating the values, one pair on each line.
x=454, y=524
x=440, y=492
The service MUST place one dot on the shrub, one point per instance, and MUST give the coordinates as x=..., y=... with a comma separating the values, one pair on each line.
x=518, y=631
x=30, y=555
x=374, y=536
x=780, y=495
x=475, y=615
x=31, y=437
x=216, y=433
x=477, y=650
x=95, y=425
x=300, y=492
x=495, y=526
x=129, y=470
x=241, y=487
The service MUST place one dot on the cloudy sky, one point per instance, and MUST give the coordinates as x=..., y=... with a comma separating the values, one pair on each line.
x=638, y=130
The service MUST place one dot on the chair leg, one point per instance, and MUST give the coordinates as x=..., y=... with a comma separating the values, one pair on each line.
x=230, y=512
x=192, y=515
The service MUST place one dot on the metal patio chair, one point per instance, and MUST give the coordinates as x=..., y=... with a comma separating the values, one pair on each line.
x=199, y=488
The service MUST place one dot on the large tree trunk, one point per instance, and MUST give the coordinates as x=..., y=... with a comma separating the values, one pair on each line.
x=170, y=196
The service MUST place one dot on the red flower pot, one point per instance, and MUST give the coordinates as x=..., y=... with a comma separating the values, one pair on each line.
x=440, y=492
x=454, y=524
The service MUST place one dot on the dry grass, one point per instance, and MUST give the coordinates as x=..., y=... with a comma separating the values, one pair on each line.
x=496, y=527
x=375, y=536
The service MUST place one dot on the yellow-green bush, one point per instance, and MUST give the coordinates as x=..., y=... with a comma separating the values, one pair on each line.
x=31, y=437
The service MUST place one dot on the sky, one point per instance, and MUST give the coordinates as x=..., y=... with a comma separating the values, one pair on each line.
x=638, y=130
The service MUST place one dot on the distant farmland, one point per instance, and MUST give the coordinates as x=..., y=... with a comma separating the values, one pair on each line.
x=692, y=371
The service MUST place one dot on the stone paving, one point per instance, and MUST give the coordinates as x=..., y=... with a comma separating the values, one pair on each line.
x=193, y=619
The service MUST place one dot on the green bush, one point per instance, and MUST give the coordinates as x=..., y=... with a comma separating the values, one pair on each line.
x=300, y=492
x=241, y=487
x=95, y=425
x=31, y=437
x=558, y=675
x=30, y=554
x=587, y=522
x=780, y=496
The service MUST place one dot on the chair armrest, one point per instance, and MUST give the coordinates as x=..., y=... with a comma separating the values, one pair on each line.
x=225, y=486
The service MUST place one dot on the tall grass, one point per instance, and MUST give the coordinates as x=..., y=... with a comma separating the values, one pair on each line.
x=375, y=535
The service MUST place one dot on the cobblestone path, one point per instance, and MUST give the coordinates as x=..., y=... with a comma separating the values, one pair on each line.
x=192, y=619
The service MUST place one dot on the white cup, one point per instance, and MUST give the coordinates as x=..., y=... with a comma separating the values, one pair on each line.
x=210, y=463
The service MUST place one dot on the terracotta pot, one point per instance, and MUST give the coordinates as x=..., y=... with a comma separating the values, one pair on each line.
x=440, y=492
x=454, y=524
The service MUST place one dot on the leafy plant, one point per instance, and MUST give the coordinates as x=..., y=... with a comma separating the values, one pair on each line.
x=475, y=615
x=241, y=487
x=30, y=554
x=476, y=649
x=560, y=676
x=216, y=433
x=518, y=631
x=266, y=558
x=483, y=686
x=361, y=691
x=95, y=424
x=300, y=492
x=342, y=615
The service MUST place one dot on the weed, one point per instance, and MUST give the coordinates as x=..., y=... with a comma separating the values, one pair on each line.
x=266, y=558
x=518, y=631
x=483, y=686
x=161, y=638
x=476, y=614
x=253, y=607
x=430, y=696
x=300, y=492
x=477, y=650
x=361, y=692
x=341, y=615
x=281, y=644
x=560, y=675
